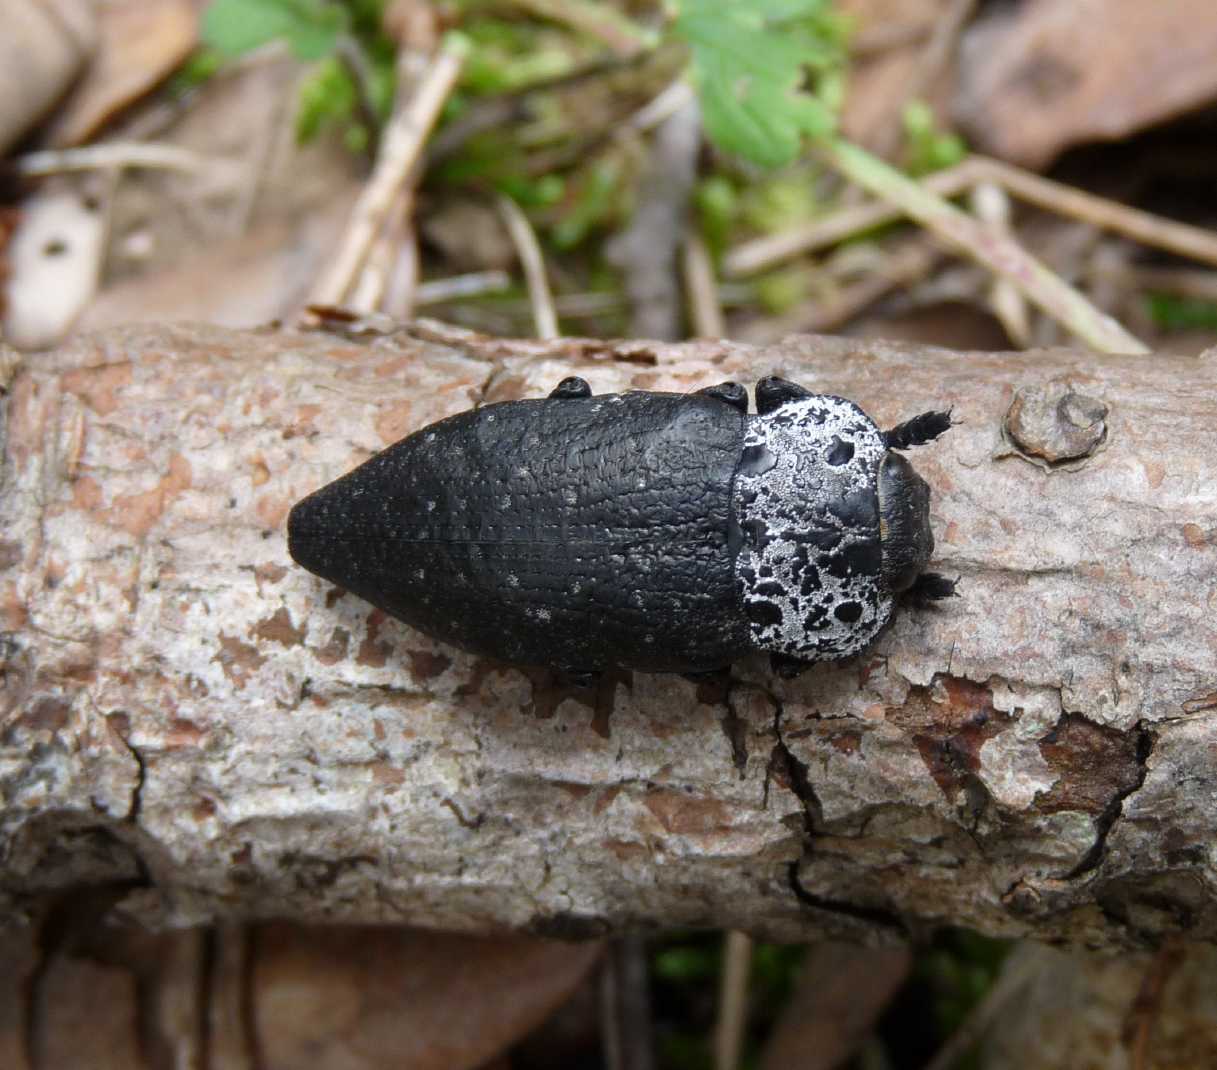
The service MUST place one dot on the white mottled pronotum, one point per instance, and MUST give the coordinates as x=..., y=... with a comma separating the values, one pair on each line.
x=806, y=500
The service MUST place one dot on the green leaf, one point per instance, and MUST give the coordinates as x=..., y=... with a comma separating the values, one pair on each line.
x=1182, y=313
x=685, y=964
x=785, y=289
x=926, y=148
x=328, y=97
x=717, y=206
x=592, y=204
x=778, y=10
x=310, y=27
x=198, y=67
x=764, y=71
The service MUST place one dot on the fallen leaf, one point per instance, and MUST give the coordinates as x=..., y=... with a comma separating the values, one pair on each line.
x=1040, y=76
x=842, y=991
x=363, y=998
x=140, y=42
x=44, y=45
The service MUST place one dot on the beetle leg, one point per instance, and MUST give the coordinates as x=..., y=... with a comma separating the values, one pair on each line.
x=917, y=431
x=732, y=393
x=772, y=392
x=929, y=588
x=787, y=667
x=572, y=387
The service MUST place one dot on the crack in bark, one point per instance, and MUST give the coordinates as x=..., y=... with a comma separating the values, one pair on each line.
x=813, y=820
x=137, y=790
x=1106, y=821
x=884, y=919
x=735, y=730
x=718, y=688
x=796, y=773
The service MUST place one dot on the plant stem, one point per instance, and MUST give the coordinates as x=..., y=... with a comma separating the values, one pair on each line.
x=400, y=145
x=997, y=252
x=621, y=34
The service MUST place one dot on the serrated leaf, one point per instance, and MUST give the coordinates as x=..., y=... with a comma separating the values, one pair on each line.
x=751, y=61
x=310, y=27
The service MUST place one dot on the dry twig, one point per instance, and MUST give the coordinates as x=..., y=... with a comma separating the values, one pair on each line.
x=1183, y=282
x=661, y=107
x=705, y=312
x=597, y=20
x=401, y=291
x=991, y=205
x=301, y=756
x=648, y=250
x=528, y=249
x=902, y=266
x=368, y=293
x=625, y=1006
x=474, y=284
x=997, y=252
x=732, y=1001
x=1149, y=229
x=118, y=155
x=401, y=144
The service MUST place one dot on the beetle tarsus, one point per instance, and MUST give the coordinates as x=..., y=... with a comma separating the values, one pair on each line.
x=573, y=386
x=931, y=587
x=772, y=392
x=731, y=393
x=918, y=431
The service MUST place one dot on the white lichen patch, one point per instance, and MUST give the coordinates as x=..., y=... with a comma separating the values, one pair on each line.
x=1014, y=771
x=1012, y=766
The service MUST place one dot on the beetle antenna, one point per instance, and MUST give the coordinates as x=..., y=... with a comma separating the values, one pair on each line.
x=931, y=587
x=917, y=431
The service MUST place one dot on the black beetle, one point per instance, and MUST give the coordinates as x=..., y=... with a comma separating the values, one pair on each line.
x=652, y=531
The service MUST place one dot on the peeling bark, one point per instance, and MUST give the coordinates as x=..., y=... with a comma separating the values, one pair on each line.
x=191, y=721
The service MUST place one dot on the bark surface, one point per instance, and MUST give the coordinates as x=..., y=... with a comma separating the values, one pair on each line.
x=192, y=721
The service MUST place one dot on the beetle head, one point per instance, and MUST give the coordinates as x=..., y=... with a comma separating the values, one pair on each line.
x=904, y=522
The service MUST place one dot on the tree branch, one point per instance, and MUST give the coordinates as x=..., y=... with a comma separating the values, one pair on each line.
x=185, y=711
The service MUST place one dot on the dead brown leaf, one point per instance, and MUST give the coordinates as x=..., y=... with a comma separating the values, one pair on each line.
x=89, y=1014
x=43, y=46
x=372, y=997
x=140, y=42
x=878, y=79
x=842, y=991
x=248, y=280
x=1040, y=76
